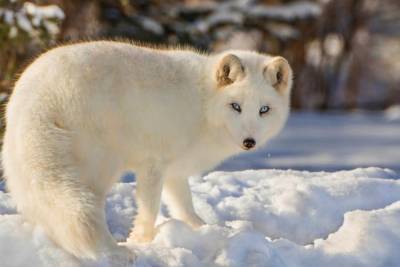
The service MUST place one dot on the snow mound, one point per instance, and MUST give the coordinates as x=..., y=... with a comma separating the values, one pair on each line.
x=255, y=218
x=393, y=113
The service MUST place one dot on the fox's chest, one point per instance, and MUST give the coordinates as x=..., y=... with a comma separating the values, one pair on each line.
x=203, y=155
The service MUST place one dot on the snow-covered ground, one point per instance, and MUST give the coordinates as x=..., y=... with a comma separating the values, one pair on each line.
x=276, y=218
x=329, y=142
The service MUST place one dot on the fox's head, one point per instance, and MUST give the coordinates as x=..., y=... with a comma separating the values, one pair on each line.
x=250, y=99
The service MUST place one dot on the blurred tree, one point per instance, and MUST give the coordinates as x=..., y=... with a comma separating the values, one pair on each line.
x=327, y=42
x=352, y=47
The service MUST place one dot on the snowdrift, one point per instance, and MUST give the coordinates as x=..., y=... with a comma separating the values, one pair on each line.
x=255, y=218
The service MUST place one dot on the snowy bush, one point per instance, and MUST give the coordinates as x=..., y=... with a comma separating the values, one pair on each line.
x=25, y=28
x=29, y=19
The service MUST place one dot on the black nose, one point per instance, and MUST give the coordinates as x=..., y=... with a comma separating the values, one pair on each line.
x=249, y=143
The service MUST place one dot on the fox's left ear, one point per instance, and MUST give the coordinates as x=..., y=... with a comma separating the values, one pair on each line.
x=279, y=74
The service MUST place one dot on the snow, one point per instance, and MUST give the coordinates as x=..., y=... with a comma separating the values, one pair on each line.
x=256, y=218
x=223, y=16
x=393, y=113
x=23, y=22
x=30, y=17
x=282, y=31
x=330, y=141
x=288, y=12
x=44, y=12
x=8, y=16
x=264, y=217
x=151, y=25
x=237, y=12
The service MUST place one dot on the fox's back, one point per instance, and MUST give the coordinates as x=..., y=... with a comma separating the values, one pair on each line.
x=137, y=95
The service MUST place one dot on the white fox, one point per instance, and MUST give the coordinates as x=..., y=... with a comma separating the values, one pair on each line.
x=80, y=115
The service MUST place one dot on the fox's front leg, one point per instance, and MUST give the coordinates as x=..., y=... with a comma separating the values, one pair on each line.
x=148, y=195
x=179, y=200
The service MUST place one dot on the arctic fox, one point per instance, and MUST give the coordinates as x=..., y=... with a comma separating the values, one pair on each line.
x=80, y=115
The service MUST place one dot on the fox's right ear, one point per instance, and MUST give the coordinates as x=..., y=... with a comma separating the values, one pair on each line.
x=229, y=70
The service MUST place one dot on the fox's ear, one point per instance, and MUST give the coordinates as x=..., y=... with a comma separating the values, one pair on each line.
x=229, y=70
x=279, y=74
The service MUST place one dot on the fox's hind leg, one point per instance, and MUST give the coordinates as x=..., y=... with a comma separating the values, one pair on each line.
x=73, y=216
x=50, y=189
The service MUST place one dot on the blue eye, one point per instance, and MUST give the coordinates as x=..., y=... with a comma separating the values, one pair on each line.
x=236, y=107
x=264, y=109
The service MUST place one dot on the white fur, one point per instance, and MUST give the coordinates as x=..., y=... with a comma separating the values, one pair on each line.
x=82, y=114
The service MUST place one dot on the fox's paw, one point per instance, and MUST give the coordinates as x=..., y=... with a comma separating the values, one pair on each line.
x=143, y=233
x=194, y=221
